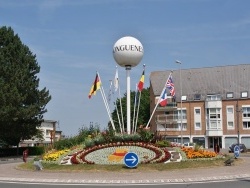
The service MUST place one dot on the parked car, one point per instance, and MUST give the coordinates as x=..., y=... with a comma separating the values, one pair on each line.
x=175, y=144
x=192, y=145
x=189, y=144
x=242, y=148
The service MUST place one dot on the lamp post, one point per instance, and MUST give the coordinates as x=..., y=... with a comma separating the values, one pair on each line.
x=238, y=122
x=178, y=62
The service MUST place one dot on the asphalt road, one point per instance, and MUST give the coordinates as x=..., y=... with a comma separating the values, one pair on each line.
x=223, y=176
x=228, y=184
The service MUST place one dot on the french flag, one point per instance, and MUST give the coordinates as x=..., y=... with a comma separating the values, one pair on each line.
x=163, y=100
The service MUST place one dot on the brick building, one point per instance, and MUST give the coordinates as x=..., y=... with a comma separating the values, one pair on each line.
x=215, y=105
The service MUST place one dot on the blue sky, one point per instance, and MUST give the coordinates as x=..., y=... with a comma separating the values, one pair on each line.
x=73, y=39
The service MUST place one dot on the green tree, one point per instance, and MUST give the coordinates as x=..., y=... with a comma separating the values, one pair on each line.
x=22, y=104
x=144, y=109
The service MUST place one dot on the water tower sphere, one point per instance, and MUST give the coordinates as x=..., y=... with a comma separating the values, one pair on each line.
x=128, y=52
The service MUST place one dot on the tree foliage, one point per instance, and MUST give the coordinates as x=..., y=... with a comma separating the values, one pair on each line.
x=144, y=108
x=22, y=104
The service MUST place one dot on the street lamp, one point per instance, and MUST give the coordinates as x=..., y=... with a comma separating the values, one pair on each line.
x=178, y=62
x=238, y=122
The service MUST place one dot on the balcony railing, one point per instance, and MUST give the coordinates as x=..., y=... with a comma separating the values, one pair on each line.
x=170, y=118
x=167, y=118
x=171, y=106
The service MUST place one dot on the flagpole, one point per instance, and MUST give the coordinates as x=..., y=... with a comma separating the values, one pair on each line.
x=106, y=103
x=135, y=101
x=158, y=100
x=139, y=100
x=110, y=92
x=138, y=107
x=117, y=87
x=107, y=107
x=119, y=91
x=117, y=113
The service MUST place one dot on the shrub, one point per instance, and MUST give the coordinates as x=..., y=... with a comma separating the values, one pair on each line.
x=89, y=142
x=163, y=143
x=145, y=134
x=136, y=137
x=99, y=140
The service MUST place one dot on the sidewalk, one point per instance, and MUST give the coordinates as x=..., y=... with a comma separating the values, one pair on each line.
x=9, y=172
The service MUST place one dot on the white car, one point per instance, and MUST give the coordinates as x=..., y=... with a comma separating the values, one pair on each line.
x=189, y=144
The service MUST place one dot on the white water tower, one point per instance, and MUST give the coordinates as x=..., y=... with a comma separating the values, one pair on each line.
x=128, y=52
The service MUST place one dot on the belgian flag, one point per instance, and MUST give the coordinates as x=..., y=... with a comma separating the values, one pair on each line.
x=141, y=82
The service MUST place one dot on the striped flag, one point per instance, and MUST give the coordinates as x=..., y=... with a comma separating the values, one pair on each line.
x=141, y=82
x=163, y=98
x=96, y=86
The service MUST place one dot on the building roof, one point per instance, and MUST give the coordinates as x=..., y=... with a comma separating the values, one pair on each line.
x=203, y=81
x=49, y=121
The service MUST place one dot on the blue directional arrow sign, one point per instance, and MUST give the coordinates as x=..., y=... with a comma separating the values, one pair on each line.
x=236, y=151
x=131, y=160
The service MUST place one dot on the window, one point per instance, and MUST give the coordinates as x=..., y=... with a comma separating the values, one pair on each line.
x=213, y=97
x=246, y=111
x=246, y=124
x=197, y=111
x=184, y=114
x=184, y=126
x=48, y=132
x=230, y=110
x=244, y=94
x=197, y=97
x=230, y=125
x=214, y=118
x=230, y=95
x=214, y=113
x=197, y=125
x=213, y=125
x=183, y=98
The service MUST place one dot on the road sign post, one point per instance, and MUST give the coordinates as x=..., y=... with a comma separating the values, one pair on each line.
x=131, y=160
x=236, y=151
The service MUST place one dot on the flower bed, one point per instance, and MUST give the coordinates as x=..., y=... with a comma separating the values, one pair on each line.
x=107, y=153
x=194, y=154
x=54, y=155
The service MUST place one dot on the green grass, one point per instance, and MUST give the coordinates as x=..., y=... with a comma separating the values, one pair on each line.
x=122, y=168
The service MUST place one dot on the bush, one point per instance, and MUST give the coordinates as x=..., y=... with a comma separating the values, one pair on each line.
x=145, y=134
x=163, y=143
x=99, y=140
x=66, y=143
x=6, y=152
x=89, y=143
x=127, y=137
x=136, y=138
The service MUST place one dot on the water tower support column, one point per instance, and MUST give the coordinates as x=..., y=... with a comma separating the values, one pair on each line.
x=128, y=68
x=128, y=52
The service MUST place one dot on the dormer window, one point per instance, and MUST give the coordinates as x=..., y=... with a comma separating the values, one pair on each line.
x=197, y=97
x=230, y=95
x=214, y=97
x=244, y=94
x=184, y=98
